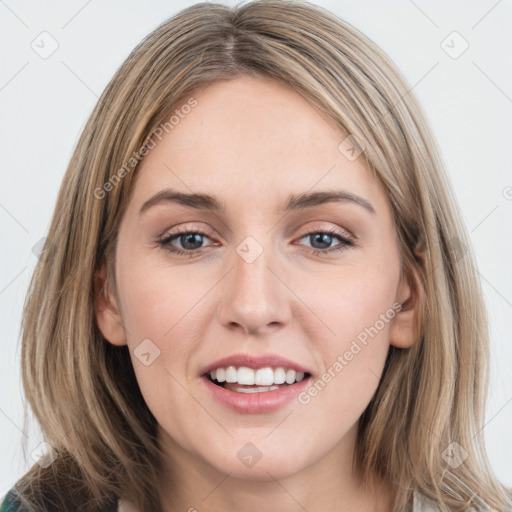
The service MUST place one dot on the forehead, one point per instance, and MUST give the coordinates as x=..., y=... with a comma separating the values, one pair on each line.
x=249, y=140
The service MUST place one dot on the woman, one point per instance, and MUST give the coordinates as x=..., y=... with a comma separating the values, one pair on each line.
x=323, y=346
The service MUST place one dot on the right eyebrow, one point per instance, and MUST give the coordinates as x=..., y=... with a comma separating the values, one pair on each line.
x=196, y=201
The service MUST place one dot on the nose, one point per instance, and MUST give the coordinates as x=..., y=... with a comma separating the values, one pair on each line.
x=255, y=299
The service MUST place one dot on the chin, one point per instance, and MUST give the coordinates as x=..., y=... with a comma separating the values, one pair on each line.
x=261, y=464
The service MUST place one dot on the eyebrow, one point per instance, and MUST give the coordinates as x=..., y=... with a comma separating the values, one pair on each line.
x=295, y=201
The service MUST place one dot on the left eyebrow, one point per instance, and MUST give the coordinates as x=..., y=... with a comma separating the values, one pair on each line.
x=295, y=201
x=311, y=199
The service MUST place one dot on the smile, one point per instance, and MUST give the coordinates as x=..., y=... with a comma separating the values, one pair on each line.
x=256, y=398
x=249, y=380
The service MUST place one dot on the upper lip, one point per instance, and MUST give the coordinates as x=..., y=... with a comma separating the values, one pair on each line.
x=254, y=362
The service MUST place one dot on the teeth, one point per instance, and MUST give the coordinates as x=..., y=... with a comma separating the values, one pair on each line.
x=279, y=376
x=260, y=389
x=245, y=376
x=261, y=377
x=231, y=374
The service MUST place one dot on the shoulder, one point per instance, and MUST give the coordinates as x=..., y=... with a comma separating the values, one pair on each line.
x=123, y=506
x=11, y=503
x=423, y=504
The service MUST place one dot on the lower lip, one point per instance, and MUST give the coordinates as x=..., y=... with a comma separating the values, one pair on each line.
x=255, y=403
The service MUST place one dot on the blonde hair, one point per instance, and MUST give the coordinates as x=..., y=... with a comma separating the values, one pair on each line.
x=83, y=390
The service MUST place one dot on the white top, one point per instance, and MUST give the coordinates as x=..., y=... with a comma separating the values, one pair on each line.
x=420, y=504
x=423, y=504
x=125, y=506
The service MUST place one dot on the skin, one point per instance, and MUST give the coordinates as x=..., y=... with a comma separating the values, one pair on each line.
x=252, y=143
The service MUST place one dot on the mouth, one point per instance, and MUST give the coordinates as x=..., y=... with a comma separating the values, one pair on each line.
x=255, y=384
x=248, y=380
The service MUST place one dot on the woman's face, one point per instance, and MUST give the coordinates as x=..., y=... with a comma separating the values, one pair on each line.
x=274, y=277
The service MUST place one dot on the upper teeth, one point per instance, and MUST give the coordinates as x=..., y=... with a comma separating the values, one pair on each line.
x=261, y=377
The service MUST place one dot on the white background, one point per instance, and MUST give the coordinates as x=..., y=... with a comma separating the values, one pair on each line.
x=45, y=102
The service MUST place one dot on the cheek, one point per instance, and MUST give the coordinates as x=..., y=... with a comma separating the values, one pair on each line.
x=157, y=319
x=155, y=297
x=162, y=311
x=356, y=314
x=352, y=301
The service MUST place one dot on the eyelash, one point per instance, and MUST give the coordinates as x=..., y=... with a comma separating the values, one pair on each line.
x=164, y=243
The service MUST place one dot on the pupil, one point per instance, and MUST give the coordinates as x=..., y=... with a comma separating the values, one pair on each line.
x=322, y=238
x=189, y=238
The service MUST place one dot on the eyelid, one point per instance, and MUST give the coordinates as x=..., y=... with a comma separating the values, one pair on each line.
x=173, y=231
x=338, y=230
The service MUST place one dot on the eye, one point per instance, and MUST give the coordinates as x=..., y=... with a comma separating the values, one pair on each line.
x=190, y=240
x=323, y=238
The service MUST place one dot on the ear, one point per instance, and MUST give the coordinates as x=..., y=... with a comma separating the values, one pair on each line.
x=405, y=327
x=106, y=310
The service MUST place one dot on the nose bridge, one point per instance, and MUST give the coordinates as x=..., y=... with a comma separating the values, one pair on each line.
x=254, y=297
